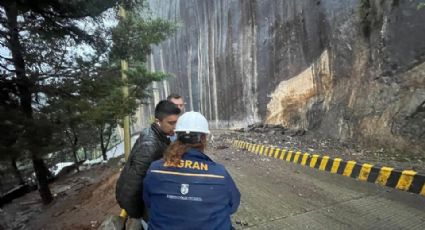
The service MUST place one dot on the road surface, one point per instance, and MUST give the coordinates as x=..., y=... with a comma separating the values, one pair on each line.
x=280, y=195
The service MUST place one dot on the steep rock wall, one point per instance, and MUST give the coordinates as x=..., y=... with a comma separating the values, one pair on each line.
x=351, y=70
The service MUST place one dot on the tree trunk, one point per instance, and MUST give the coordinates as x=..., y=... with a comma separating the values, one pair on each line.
x=105, y=157
x=41, y=174
x=17, y=172
x=103, y=148
x=85, y=153
x=23, y=83
x=24, y=86
x=74, y=151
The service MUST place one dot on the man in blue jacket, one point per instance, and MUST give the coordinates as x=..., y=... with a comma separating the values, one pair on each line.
x=186, y=189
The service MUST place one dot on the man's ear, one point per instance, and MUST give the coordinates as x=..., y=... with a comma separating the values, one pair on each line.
x=157, y=122
x=203, y=138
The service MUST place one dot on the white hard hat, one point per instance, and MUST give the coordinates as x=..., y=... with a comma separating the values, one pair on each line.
x=192, y=122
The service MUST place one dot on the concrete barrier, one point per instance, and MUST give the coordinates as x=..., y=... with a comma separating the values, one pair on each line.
x=406, y=180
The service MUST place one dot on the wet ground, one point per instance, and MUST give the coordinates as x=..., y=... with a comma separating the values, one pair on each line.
x=275, y=195
x=315, y=144
x=82, y=201
x=281, y=195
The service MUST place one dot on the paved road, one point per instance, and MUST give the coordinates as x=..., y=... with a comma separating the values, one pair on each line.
x=280, y=195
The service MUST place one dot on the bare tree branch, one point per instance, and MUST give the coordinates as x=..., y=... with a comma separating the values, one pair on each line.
x=5, y=67
x=7, y=59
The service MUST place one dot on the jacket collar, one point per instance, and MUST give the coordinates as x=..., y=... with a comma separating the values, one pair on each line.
x=161, y=135
x=195, y=153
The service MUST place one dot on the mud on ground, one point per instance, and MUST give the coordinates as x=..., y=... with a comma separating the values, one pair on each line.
x=305, y=141
x=82, y=201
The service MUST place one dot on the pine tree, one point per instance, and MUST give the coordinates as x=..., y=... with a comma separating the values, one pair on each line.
x=35, y=34
x=49, y=94
x=132, y=41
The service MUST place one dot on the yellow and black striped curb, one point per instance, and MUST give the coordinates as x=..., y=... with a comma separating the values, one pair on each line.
x=406, y=180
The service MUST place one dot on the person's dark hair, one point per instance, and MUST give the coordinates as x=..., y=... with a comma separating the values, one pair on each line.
x=165, y=108
x=173, y=95
x=189, y=138
x=177, y=149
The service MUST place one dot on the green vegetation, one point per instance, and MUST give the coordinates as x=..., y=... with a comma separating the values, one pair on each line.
x=60, y=84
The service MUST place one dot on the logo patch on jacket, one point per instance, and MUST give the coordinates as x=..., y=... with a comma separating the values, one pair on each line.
x=184, y=189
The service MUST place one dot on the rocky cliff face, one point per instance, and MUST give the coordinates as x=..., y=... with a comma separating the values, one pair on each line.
x=350, y=70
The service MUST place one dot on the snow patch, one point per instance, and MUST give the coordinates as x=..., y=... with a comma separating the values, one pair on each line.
x=116, y=151
x=59, y=166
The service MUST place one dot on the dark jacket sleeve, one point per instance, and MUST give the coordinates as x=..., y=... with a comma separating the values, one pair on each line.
x=142, y=155
x=235, y=196
x=129, y=190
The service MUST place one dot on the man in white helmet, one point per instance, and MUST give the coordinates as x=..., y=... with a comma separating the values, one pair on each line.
x=187, y=190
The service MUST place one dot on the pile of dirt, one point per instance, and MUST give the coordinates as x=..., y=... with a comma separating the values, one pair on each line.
x=82, y=201
x=304, y=141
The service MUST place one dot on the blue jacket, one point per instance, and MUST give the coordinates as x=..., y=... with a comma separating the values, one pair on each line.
x=196, y=194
